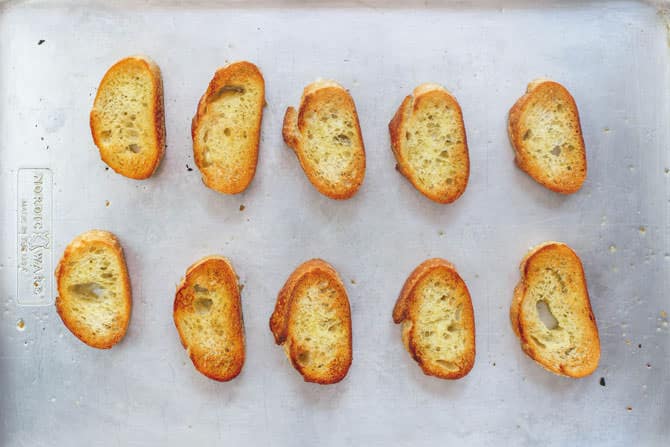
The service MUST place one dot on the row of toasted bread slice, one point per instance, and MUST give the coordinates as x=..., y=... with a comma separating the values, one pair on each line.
x=550, y=312
x=427, y=133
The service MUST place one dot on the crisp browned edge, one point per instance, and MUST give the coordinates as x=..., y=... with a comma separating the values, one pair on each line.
x=220, y=78
x=517, y=300
x=279, y=318
x=159, y=115
x=512, y=125
x=87, y=238
x=400, y=314
x=395, y=130
x=293, y=123
x=239, y=322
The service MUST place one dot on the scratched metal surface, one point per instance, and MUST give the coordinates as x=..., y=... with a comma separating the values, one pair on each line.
x=612, y=56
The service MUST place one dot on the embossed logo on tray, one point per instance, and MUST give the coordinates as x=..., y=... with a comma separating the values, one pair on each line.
x=35, y=238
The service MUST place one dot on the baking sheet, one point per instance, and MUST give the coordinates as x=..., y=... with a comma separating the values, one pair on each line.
x=612, y=56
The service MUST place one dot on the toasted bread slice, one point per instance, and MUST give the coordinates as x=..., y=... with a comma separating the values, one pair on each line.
x=551, y=312
x=547, y=137
x=429, y=143
x=226, y=128
x=94, y=297
x=127, y=120
x=326, y=137
x=312, y=321
x=438, y=322
x=208, y=315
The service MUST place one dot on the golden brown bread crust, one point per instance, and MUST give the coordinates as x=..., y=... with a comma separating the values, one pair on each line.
x=404, y=312
x=314, y=96
x=409, y=105
x=280, y=321
x=229, y=75
x=158, y=116
x=520, y=328
x=540, y=87
x=210, y=363
x=82, y=242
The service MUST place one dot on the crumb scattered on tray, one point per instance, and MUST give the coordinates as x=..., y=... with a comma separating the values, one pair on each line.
x=242, y=207
x=41, y=41
x=602, y=381
x=188, y=168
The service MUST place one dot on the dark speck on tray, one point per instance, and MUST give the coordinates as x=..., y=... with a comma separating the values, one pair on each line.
x=188, y=168
x=41, y=41
x=602, y=381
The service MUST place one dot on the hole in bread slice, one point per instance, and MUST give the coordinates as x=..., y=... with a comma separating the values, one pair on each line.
x=88, y=291
x=545, y=315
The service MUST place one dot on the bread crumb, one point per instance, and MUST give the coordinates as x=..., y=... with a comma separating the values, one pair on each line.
x=107, y=203
x=353, y=281
x=664, y=314
x=629, y=408
x=440, y=233
x=242, y=207
x=602, y=381
x=642, y=230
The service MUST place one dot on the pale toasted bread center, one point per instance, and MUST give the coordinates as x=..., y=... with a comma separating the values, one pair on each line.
x=228, y=131
x=318, y=329
x=93, y=294
x=549, y=134
x=434, y=145
x=125, y=107
x=331, y=143
x=441, y=335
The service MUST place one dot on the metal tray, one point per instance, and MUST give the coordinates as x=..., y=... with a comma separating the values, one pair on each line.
x=613, y=56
